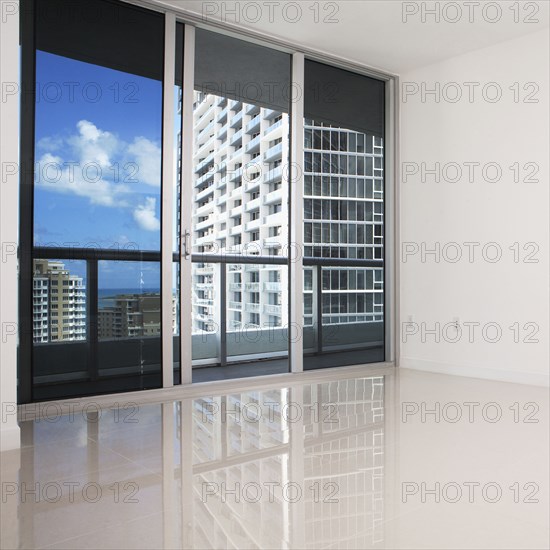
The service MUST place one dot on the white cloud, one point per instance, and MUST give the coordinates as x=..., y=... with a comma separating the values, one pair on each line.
x=94, y=167
x=147, y=156
x=56, y=175
x=144, y=215
x=49, y=144
x=93, y=145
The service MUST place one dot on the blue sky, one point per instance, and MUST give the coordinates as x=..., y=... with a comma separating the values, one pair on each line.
x=112, y=194
x=98, y=160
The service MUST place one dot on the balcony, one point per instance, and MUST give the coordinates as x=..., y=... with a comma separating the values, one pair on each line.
x=253, y=125
x=203, y=164
x=222, y=116
x=279, y=218
x=253, y=225
x=252, y=205
x=236, y=174
x=271, y=113
x=273, y=287
x=274, y=153
x=347, y=330
x=236, y=120
x=237, y=211
x=252, y=109
x=204, y=193
x=203, y=225
x=205, y=209
x=275, y=196
x=274, y=175
x=235, y=104
x=221, y=199
x=209, y=127
x=273, y=127
x=236, y=138
x=273, y=309
x=253, y=146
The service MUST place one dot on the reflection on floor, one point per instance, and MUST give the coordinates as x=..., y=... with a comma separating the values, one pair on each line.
x=279, y=366
x=397, y=461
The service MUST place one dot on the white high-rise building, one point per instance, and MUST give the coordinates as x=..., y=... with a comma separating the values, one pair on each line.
x=240, y=206
x=59, y=303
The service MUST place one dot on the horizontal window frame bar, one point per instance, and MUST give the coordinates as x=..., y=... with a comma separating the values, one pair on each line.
x=95, y=254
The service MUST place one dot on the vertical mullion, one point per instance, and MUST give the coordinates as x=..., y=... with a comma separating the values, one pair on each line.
x=168, y=179
x=223, y=314
x=390, y=227
x=186, y=202
x=26, y=197
x=92, y=284
x=319, y=306
x=296, y=249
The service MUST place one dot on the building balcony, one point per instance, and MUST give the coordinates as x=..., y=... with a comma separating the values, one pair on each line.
x=252, y=308
x=275, y=196
x=279, y=218
x=273, y=175
x=235, y=104
x=205, y=192
x=253, y=146
x=273, y=309
x=236, y=138
x=254, y=124
x=271, y=113
x=271, y=129
x=222, y=115
x=204, y=224
x=205, y=209
x=236, y=120
x=273, y=286
x=274, y=153
x=237, y=211
x=254, y=224
x=235, y=287
x=203, y=164
x=252, y=205
x=252, y=184
x=252, y=109
x=252, y=287
x=236, y=174
x=237, y=230
x=221, y=199
x=236, y=305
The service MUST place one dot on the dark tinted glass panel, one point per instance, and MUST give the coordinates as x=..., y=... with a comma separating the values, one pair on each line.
x=98, y=125
x=96, y=199
x=343, y=218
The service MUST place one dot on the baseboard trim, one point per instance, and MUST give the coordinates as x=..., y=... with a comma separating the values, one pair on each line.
x=476, y=371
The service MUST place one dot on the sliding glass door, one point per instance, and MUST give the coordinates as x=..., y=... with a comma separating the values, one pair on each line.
x=184, y=192
x=239, y=208
x=343, y=216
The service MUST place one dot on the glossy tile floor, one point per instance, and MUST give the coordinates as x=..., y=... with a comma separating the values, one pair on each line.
x=352, y=463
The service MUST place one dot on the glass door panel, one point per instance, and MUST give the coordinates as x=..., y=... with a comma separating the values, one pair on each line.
x=239, y=234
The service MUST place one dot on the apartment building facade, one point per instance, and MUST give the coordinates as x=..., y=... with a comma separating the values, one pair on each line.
x=240, y=206
x=59, y=303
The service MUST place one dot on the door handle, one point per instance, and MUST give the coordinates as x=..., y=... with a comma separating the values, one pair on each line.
x=186, y=247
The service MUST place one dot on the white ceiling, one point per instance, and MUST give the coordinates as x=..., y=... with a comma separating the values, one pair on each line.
x=372, y=32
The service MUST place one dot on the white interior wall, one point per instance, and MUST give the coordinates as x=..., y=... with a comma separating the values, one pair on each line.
x=504, y=212
x=9, y=182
